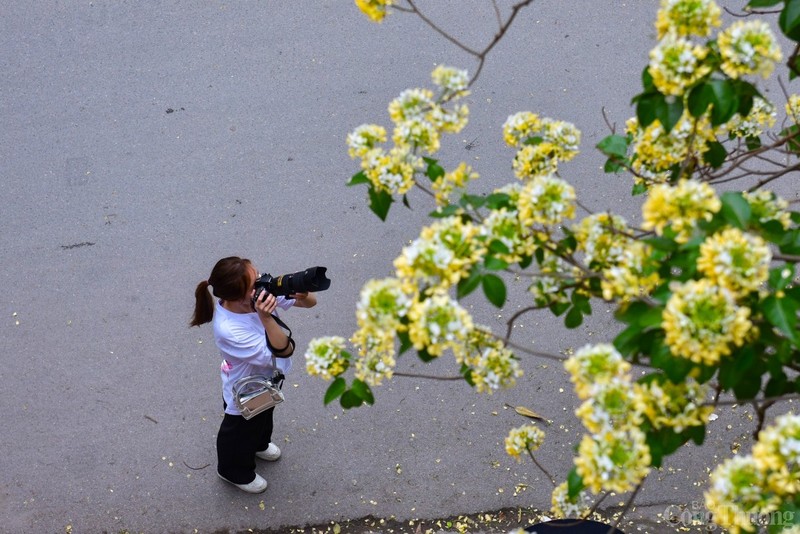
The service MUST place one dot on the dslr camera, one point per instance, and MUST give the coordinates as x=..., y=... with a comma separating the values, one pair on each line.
x=308, y=281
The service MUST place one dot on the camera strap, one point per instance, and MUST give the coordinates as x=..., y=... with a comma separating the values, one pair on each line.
x=288, y=333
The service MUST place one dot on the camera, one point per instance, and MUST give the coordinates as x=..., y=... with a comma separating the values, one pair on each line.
x=310, y=280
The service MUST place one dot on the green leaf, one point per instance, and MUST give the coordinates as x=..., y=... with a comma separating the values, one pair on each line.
x=358, y=178
x=647, y=108
x=627, y=341
x=434, y=170
x=780, y=277
x=724, y=99
x=494, y=264
x=495, y=289
x=469, y=284
x=696, y=433
x=380, y=202
x=582, y=303
x=612, y=166
x=749, y=387
x=732, y=370
x=425, y=356
x=495, y=201
x=446, y=211
x=762, y=3
x=335, y=390
x=361, y=389
x=669, y=112
x=782, y=314
x=792, y=144
x=715, y=155
x=638, y=189
x=574, y=318
x=350, y=400
x=647, y=80
x=735, y=209
x=574, y=483
x=789, y=19
x=559, y=307
x=700, y=97
x=614, y=145
x=405, y=342
x=475, y=201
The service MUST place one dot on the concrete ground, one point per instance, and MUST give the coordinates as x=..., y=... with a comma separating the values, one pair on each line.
x=142, y=141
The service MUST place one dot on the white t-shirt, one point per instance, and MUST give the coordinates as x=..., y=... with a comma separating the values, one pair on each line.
x=242, y=344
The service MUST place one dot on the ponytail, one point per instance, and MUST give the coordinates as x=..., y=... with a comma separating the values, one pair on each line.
x=230, y=279
x=203, y=305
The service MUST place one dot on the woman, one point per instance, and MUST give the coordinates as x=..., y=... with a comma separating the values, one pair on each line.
x=240, y=323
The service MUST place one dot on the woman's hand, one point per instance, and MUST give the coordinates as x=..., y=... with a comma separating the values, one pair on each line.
x=265, y=304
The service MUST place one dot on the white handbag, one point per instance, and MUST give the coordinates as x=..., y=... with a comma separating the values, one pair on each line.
x=256, y=393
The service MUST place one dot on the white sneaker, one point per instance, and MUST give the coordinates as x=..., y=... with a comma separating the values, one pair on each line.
x=270, y=454
x=258, y=485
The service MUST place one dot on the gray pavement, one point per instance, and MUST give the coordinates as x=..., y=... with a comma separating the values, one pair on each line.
x=142, y=141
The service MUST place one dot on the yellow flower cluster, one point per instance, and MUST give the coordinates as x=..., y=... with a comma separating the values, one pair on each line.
x=614, y=460
x=504, y=225
x=521, y=126
x=679, y=207
x=594, y=364
x=688, y=17
x=391, y=171
x=748, y=47
x=609, y=248
x=735, y=260
x=438, y=323
x=382, y=305
x=381, y=308
x=676, y=64
x=523, y=440
x=654, y=151
x=376, y=10
x=376, y=356
x=702, y=321
x=762, y=115
x=542, y=143
x=492, y=365
x=766, y=206
x=546, y=200
x=777, y=453
x=364, y=138
x=565, y=507
x=613, y=409
x=633, y=276
x=602, y=238
x=325, y=357
x=420, y=118
x=756, y=485
x=453, y=81
x=441, y=256
x=793, y=108
x=610, y=405
x=444, y=186
x=416, y=133
x=677, y=406
x=554, y=273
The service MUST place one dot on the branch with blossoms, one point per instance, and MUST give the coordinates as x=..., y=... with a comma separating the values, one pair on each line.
x=704, y=285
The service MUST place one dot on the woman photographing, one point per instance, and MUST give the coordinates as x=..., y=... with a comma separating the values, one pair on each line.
x=249, y=339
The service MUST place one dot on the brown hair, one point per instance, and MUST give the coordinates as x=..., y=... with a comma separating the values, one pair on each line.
x=229, y=281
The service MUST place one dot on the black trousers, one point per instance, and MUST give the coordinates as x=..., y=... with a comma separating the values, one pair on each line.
x=238, y=440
